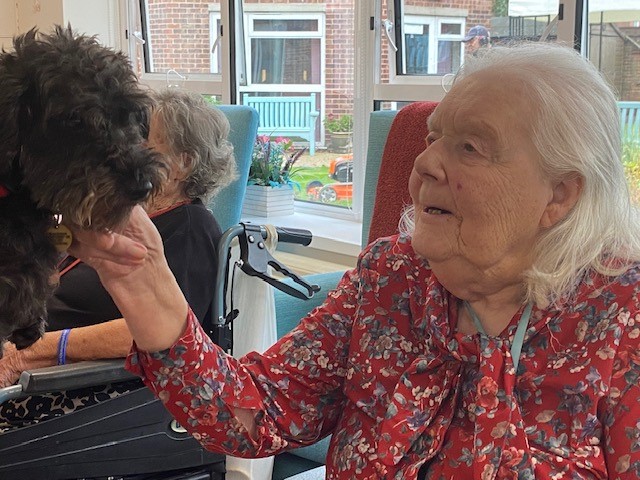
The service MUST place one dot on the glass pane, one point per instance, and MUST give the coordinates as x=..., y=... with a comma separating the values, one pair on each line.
x=450, y=29
x=449, y=56
x=285, y=60
x=281, y=25
x=417, y=46
x=314, y=58
x=181, y=36
x=613, y=34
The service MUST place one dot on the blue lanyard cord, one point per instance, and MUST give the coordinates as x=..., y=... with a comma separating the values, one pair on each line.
x=518, y=338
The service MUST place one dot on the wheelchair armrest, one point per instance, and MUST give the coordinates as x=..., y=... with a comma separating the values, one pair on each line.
x=74, y=375
x=67, y=377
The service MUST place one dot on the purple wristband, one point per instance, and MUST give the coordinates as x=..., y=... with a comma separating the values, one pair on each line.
x=62, y=346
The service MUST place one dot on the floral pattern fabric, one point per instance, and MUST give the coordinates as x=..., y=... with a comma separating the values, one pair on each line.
x=381, y=366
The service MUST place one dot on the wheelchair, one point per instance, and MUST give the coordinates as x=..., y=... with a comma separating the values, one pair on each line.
x=132, y=436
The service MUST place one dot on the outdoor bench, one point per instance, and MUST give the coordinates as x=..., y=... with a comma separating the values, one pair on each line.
x=286, y=116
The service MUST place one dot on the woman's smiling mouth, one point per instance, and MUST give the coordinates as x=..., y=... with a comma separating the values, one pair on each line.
x=436, y=211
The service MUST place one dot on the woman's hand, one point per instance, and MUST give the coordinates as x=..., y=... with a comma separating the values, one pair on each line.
x=42, y=353
x=12, y=364
x=119, y=256
x=133, y=269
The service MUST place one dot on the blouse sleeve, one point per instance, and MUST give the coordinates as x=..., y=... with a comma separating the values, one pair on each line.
x=621, y=418
x=294, y=388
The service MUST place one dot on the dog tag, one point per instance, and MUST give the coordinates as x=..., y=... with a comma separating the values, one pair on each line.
x=60, y=236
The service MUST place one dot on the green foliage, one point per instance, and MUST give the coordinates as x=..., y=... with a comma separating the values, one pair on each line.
x=343, y=123
x=500, y=8
x=212, y=99
x=272, y=161
x=631, y=161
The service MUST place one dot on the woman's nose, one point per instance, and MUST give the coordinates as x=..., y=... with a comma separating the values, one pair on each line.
x=429, y=162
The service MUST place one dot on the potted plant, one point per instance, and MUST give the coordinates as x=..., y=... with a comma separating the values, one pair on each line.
x=340, y=129
x=269, y=186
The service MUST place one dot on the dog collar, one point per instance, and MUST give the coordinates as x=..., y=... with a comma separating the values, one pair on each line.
x=4, y=191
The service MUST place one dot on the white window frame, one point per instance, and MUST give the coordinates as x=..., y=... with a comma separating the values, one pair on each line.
x=435, y=36
x=250, y=34
x=215, y=41
x=217, y=84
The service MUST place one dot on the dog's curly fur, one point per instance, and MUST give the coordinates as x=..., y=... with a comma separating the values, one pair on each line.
x=73, y=121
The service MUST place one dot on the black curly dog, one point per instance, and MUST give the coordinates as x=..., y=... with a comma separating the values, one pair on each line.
x=73, y=123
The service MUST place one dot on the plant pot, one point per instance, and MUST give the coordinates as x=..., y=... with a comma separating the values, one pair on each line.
x=340, y=142
x=260, y=201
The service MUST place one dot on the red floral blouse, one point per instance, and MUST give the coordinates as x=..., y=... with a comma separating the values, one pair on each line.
x=381, y=366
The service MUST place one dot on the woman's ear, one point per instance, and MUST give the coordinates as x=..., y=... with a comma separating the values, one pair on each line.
x=565, y=194
x=185, y=166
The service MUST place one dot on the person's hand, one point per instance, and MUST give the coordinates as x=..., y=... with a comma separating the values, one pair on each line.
x=12, y=364
x=133, y=269
x=119, y=257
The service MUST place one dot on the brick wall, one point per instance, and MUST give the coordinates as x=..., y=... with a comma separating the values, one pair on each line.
x=630, y=82
x=339, y=57
x=180, y=35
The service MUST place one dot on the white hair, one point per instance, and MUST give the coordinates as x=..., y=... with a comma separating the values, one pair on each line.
x=575, y=126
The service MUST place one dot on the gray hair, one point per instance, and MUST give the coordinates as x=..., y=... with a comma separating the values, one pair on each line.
x=575, y=126
x=199, y=130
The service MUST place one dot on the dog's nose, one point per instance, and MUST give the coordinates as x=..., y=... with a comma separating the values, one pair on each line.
x=142, y=190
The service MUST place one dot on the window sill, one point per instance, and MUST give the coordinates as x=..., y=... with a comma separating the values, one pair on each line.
x=332, y=237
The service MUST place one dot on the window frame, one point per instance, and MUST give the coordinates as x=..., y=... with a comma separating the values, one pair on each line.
x=217, y=84
x=250, y=34
x=435, y=37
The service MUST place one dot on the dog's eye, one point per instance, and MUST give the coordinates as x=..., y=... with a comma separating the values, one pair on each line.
x=144, y=130
x=144, y=119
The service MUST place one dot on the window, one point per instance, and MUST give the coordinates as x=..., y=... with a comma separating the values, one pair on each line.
x=610, y=37
x=180, y=44
x=285, y=50
x=431, y=45
x=613, y=44
x=309, y=48
x=306, y=51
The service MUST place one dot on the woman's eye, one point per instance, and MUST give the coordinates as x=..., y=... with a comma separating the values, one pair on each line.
x=469, y=148
x=430, y=139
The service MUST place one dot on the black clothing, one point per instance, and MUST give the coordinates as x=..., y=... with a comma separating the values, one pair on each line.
x=189, y=234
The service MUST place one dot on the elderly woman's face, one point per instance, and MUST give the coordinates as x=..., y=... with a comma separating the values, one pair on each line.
x=158, y=141
x=477, y=188
x=158, y=136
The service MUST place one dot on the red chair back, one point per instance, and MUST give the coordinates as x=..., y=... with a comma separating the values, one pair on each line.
x=406, y=140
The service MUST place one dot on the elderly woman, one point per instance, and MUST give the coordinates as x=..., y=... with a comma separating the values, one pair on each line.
x=499, y=337
x=84, y=324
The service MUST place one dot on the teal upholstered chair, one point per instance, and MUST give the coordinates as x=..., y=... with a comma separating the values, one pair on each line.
x=227, y=205
x=379, y=125
x=399, y=151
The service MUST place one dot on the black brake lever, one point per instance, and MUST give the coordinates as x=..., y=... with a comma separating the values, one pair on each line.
x=256, y=259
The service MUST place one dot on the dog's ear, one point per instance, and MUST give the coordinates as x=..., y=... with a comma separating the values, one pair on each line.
x=14, y=85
